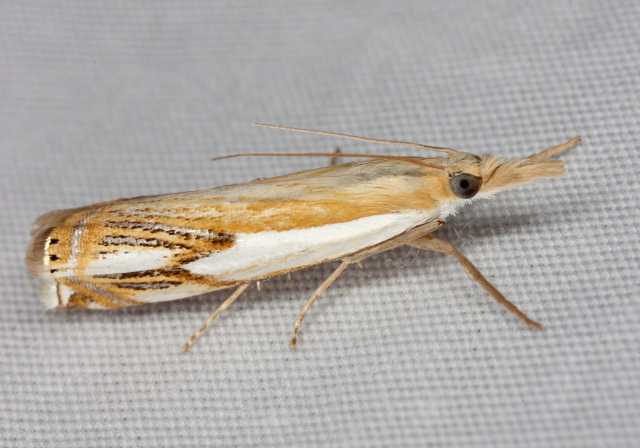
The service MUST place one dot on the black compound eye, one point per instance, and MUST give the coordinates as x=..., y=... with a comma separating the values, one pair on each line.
x=465, y=185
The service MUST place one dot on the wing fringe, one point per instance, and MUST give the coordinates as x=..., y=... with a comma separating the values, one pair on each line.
x=42, y=227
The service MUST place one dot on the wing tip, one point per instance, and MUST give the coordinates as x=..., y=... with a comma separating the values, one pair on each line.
x=34, y=259
x=42, y=228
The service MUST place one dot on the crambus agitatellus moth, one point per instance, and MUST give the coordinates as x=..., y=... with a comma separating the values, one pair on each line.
x=157, y=248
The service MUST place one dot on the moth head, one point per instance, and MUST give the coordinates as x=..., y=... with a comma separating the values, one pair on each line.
x=471, y=175
x=490, y=175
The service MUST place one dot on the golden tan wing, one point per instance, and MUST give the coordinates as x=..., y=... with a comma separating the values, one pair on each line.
x=154, y=248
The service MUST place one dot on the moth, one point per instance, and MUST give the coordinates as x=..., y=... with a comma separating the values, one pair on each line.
x=156, y=248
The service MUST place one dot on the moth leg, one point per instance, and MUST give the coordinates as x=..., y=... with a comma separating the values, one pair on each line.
x=334, y=159
x=438, y=245
x=357, y=257
x=215, y=314
x=322, y=288
x=400, y=240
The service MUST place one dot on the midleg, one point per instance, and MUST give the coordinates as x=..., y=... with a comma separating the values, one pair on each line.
x=322, y=288
x=215, y=314
x=357, y=257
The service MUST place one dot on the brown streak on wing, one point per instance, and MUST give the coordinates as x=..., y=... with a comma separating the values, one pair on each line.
x=78, y=300
x=154, y=274
x=94, y=294
x=147, y=286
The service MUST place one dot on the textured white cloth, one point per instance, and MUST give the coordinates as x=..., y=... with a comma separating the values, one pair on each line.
x=100, y=100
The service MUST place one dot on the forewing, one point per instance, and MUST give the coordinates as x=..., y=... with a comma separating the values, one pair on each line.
x=157, y=248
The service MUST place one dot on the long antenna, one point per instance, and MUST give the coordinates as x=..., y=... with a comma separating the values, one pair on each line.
x=322, y=154
x=361, y=139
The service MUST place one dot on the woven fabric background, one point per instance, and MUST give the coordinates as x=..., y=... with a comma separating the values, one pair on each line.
x=100, y=100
